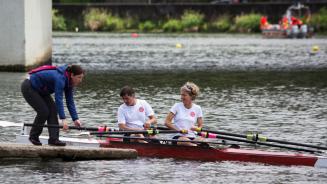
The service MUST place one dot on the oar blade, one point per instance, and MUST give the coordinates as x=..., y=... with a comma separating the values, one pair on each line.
x=10, y=124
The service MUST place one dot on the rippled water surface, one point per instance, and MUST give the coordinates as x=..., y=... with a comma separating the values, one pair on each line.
x=285, y=99
x=205, y=52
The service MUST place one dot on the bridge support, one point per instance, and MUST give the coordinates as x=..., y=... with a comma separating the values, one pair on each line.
x=25, y=34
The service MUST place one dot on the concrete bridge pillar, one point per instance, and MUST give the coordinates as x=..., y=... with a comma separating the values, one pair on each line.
x=25, y=34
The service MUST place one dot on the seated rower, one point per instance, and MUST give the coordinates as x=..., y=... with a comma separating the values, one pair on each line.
x=185, y=115
x=134, y=114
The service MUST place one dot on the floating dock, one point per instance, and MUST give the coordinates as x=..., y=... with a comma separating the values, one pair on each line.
x=70, y=153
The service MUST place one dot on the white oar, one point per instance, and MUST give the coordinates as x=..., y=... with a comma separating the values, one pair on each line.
x=10, y=124
x=80, y=134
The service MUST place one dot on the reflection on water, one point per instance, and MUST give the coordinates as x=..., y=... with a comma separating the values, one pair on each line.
x=281, y=105
x=158, y=171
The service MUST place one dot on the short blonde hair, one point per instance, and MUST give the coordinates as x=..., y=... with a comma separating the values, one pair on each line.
x=192, y=89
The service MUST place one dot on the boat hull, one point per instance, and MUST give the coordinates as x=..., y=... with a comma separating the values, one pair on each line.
x=212, y=154
x=288, y=33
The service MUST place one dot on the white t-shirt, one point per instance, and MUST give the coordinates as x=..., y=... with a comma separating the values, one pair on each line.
x=134, y=116
x=186, y=118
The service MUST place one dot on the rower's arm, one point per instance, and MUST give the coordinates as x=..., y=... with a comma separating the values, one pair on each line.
x=151, y=121
x=169, y=120
x=200, y=122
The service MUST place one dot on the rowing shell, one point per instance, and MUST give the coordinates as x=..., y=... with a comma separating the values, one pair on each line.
x=195, y=153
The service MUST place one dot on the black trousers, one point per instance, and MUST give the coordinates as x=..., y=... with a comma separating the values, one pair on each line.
x=45, y=109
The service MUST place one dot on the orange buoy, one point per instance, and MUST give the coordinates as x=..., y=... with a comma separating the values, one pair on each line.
x=134, y=35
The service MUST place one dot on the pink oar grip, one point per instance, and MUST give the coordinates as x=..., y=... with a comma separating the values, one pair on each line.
x=101, y=129
x=208, y=135
x=212, y=135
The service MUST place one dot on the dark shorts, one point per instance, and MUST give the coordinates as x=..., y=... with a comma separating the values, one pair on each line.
x=126, y=139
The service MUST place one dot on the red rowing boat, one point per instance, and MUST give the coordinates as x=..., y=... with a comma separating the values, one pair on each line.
x=220, y=154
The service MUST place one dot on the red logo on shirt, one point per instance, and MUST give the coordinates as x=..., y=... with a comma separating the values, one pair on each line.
x=141, y=109
x=192, y=114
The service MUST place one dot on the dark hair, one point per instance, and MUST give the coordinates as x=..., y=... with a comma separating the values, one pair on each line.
x=75, y=69
x=127, y=90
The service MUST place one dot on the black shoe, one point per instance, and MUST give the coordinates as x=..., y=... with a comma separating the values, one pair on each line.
x=35, y=141
x=56, y=143
x=235, y=146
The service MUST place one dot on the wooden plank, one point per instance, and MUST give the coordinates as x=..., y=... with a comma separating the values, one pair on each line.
x=16, y=150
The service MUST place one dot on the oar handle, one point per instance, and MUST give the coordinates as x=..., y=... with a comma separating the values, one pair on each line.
x=224, y=133
x=159, y=127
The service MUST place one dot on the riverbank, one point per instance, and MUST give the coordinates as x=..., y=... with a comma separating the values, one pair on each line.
x=175, y=17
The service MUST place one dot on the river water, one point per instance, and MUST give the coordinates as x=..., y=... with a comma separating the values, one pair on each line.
x=275, y=87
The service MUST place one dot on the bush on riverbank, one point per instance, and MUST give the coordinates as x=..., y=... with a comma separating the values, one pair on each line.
x=221, y=24
x=58, y=21
x=101, y=20
x=319, y=20
x=131, y=23
x=248, y=23
x=95, y=19
x=114, y=23
x=172, y=25
x=191, y=21
x=147, y=26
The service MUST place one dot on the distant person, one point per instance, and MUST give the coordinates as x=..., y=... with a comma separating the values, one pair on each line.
x=37, y=90
x=134, y=114
x=186, y=115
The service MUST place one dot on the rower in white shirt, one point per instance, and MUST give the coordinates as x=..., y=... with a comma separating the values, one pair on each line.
x=186, y=115
x=134, y=114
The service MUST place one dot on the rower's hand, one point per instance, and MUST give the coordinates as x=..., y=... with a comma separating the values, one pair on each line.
x=77, y=123
x=64, y=125
x=196, y=129
x=147, y=125
x=184, y=131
